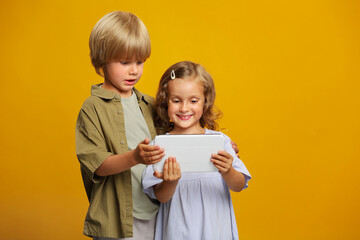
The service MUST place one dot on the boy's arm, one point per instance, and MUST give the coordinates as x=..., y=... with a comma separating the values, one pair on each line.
x=95, y=156
x=143, y=153
x=170, y=175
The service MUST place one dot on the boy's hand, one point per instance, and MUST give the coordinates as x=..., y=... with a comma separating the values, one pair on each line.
x=171, y=171
x=222, y=161
x=235, y=147
x=148, y=154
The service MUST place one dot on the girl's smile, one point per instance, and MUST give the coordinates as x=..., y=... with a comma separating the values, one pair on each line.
x=184, y=117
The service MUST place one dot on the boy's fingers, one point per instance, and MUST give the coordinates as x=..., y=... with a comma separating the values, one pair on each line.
x=150, y=148
x=154, y=161
x=146, y=141
x=235, y=147
x=154, y=153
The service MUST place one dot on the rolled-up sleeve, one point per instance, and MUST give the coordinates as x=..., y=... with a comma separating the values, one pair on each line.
x=90, y=145
x=237, y=163
x=149, y=181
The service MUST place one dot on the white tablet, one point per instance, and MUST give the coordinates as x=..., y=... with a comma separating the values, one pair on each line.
x=192, y=152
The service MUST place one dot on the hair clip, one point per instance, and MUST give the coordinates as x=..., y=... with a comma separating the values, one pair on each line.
x=172, y=75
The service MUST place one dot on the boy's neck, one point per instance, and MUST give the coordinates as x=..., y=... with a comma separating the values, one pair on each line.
x=123, y=94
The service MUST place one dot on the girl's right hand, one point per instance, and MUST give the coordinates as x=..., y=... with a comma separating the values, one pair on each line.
x=171, y=171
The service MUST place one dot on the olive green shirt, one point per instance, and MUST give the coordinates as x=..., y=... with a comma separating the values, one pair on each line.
x=100, y=132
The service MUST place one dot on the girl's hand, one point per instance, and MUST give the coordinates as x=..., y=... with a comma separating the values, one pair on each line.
x=171, y=171
x=222, y=161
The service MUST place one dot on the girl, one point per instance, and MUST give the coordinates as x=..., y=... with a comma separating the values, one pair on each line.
x=193, y=205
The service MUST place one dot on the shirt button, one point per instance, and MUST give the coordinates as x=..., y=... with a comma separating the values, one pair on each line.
x=128, y=209
x=122, y=142
x=119, y=112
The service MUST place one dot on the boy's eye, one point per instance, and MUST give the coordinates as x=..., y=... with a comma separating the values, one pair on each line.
x=140, y=62
x=124, y=62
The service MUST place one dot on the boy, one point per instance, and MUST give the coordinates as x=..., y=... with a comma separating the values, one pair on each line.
x=110, y=125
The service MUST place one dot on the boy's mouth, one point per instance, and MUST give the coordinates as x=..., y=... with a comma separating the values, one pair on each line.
x=130, y=81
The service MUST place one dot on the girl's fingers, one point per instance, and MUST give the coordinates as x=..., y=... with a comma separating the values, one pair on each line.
x=225, y=154
x=158, y=174
x=221, y=169
x=167, y=171
x=219, y=163
x=170, y=169
x=221, y=166
x=165, y=166
x=178, y=168
x=220, y=159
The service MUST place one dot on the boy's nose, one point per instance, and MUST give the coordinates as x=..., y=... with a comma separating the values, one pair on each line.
x=134, y=69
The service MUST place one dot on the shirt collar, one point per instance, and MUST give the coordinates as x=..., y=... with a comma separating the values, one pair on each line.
x=98, y=91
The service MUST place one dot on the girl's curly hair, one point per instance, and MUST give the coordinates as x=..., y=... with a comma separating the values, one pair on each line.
x=196, y=72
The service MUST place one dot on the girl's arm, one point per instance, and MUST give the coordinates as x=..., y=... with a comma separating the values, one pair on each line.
x=234, y=180
x=170, y=175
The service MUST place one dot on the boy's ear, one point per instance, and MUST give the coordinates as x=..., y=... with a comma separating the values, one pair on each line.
x=101, y=72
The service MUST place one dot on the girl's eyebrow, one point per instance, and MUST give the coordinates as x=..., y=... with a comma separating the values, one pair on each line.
x=177, y=96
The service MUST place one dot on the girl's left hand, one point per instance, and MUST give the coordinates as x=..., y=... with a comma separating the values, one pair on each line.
x=171, y=171
x=222, y=161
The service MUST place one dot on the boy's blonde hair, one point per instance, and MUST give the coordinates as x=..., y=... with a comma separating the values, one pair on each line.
x=118, y=36
x=195, y=72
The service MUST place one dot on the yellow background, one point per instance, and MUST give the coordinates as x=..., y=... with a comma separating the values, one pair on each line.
x=287, y=78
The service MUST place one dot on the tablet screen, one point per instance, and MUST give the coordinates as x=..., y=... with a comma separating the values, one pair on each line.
x=193, y=152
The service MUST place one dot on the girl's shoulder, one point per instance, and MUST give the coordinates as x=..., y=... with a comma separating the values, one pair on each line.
x=213, y=132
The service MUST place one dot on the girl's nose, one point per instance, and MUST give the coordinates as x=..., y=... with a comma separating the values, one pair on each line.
x=184, y=107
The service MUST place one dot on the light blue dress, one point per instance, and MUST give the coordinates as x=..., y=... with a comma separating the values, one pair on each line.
x=201, y=207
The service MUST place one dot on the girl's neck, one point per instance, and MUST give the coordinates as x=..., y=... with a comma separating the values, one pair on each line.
x=188, y=131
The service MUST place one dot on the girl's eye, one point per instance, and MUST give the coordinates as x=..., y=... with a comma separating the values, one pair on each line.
x=175, y=101
x=194, y=101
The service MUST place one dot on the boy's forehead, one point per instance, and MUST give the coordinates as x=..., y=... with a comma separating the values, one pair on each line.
x=129, y=58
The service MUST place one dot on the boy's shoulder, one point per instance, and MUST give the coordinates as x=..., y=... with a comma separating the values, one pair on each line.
x=146, y=97
x=98, y=98
x=92, y=100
